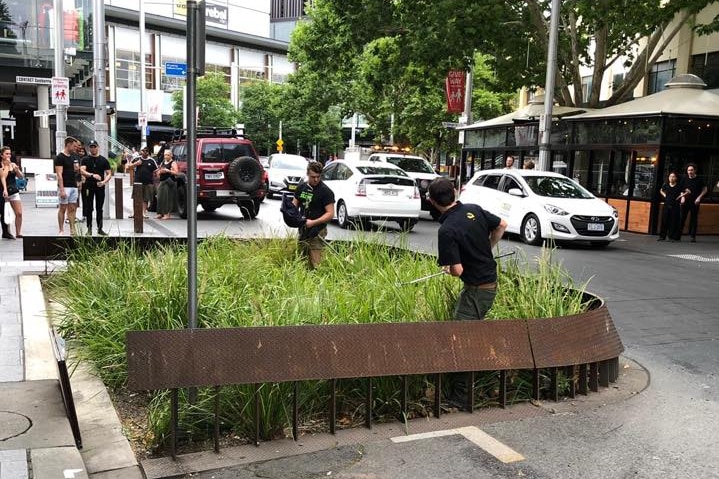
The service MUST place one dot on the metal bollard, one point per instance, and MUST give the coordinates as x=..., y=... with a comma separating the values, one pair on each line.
x=137, y=207
x=119, y=214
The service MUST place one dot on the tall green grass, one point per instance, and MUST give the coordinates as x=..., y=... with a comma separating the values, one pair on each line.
x=106, y=292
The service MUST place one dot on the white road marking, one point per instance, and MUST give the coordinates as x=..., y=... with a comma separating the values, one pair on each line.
x=499, y=450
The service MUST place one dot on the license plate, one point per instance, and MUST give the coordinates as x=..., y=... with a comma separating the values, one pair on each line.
x=292, y=187
x=390, y=192
x=214, y=176
x=595, y=227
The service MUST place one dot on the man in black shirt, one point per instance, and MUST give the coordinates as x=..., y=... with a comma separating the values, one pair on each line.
x=66, y=167
x=694, y=189
x=316, y=201
x=145, y=167
x=465, y=241
x=466, y=238
x=97, y=173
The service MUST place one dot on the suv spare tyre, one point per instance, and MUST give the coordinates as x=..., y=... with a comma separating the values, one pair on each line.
x=245, y=174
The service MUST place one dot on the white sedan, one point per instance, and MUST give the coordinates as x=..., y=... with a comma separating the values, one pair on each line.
x=372, y=191
x=284, y=173
x=540, y=205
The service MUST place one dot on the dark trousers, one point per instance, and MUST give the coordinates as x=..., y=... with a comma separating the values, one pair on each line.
x=5, y=229
x=92, y=195
x=691, y=210
x=670, y=223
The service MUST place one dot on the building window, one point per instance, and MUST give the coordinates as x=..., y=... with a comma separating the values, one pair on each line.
x=287, y=9
x=586, y=88
x=127, y=69
x=617, y=80
x=660, y=75
x=706, y=67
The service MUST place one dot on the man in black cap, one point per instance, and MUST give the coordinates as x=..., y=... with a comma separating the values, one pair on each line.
x=96, y=171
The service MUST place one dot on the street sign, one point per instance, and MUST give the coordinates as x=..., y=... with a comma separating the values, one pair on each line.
x=142, y=119
x=61, y=91
x=44, y=112
x=176, y=69
x=279, y=145
x=450, y=124
x=33, y=80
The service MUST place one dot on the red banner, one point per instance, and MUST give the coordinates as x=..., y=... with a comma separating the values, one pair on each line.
x=454, y=91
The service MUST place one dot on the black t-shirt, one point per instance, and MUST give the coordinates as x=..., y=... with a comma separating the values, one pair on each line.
x=96, y=165
x=695, y=185
x=463, y=238
x=68, y=169
x=145, y=170
x=672, y=193
x=314, y=200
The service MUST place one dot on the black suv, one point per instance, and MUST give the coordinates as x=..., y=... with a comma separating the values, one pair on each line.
x=228, y=171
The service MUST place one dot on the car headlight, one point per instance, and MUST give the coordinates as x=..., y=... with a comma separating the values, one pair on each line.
x=615, y=213
x=555, y=210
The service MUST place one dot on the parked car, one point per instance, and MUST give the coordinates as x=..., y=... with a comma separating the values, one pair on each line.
x=228, y=171
x=418, y=168
x=285, y=172
x=541, y=205
x=366, y=191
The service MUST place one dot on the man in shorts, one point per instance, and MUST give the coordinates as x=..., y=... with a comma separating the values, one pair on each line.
x=145, y=167
x=66, y=168
x=317, y=203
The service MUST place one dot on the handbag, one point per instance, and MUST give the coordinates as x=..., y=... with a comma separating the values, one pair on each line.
x=12, y=189
x=8, y=213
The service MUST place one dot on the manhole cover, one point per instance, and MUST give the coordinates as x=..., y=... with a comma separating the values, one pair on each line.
x=13, y=424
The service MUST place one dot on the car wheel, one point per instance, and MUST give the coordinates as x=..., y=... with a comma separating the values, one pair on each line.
x=343, y=219
x=208, y=207
x=532, y=230
x=245, y=174
x=249, y=209
x=599, y=244
x=407, y=224
x=182, y=201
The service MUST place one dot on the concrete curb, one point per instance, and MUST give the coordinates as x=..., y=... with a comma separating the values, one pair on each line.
x=106, y=451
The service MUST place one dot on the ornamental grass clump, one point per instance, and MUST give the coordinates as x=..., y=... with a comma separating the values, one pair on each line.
x=103, y=293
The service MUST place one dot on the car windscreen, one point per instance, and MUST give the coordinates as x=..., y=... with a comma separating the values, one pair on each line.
x=380, y=170
x=388, y=180
x=289, y=163
x=556, y=187
x=416, y=165
x=224, y=152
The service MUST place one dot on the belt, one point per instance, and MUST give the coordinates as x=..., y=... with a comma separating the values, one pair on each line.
x=481, y=286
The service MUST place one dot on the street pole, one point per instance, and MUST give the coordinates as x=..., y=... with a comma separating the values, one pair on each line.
x=61, y=110
x=99, y=61
x=195, y=68
x=545, y=125
x=143, y=129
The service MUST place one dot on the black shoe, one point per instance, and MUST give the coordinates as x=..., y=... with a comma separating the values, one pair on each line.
x=8, y=236
x=101, y=233
x=693, y=240
x=661, y=239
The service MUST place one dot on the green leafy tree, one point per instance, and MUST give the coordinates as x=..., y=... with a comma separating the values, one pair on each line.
x=213, y=100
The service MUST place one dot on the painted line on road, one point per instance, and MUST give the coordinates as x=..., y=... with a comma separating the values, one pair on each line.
x=499, y=450
x=696, y=257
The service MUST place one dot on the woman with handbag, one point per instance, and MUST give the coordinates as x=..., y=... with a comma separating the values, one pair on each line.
x=9, y=171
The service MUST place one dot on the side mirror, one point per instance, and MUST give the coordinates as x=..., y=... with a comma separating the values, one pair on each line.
x=516, y=192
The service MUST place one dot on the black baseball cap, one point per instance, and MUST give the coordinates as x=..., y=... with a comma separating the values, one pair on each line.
x=92, y=143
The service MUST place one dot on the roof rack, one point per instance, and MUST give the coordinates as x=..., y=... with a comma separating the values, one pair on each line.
x=210, y=132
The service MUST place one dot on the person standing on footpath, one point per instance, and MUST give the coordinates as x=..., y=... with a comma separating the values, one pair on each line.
x=509, y=162
x=694, y=189
x=96, y=171
x=145, y=167
x=465, y=239
x=316, y=202
x=672, y=194
x=65, y=169
x=9, y=171
x=167, y=189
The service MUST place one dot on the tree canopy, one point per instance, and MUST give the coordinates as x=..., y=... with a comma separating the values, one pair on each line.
x=213, y=100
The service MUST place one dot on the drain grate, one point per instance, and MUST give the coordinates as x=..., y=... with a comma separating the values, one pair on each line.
x=696, y=257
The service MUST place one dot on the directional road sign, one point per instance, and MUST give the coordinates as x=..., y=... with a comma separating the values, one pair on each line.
x=176, y=69
x=44, y=112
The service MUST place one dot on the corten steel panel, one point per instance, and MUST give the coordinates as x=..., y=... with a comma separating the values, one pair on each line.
x=58, y=247
x=577, y=339
x=205, y=357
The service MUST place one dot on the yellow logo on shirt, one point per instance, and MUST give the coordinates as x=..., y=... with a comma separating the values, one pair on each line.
x=470, y=216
